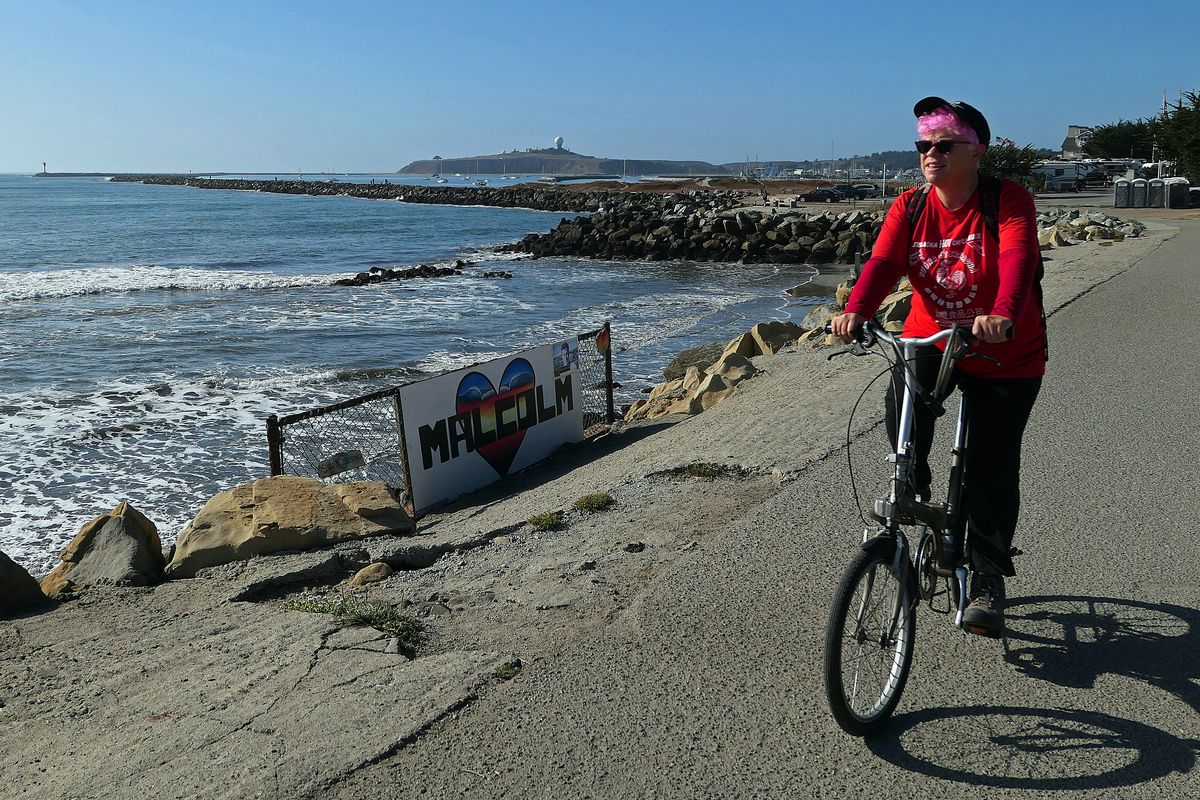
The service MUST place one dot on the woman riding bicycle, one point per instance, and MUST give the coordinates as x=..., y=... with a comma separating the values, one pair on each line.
x=966, y=272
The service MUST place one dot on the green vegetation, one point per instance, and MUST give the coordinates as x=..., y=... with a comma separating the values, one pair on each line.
x=508, y=671
x=1121, y=139
x=1005, y=159
x=592, y=503
x=704, y=470
x=546, y=521
x=1178, y=133
x=350, y=611
x=1172, y=136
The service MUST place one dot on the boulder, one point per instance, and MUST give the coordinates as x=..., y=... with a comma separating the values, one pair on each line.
x=895, y=307
x=1052, y=237
x=841, y=295
x=372, y=573
x=692, y=378
x=743, y=345
x=692, y=357
x=669, y=389
x=733, y=369
x=713, y=390
x=820, y=315
x=770, y=337
x=285, y=513
x=18, y=590
x=120, y=547
x=823, y=252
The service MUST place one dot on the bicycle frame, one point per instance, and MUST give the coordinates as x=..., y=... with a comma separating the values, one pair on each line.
x=899, y=507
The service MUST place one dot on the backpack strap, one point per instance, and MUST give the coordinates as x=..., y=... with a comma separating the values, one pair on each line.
x=989, y=203
x=916, y=205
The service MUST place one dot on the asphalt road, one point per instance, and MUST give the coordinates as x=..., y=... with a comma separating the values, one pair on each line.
x=708, y=685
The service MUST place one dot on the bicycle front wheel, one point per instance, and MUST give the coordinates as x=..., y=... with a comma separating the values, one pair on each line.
x=868, y=643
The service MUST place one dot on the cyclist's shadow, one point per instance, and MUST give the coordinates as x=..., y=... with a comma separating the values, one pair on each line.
x=1069, y=641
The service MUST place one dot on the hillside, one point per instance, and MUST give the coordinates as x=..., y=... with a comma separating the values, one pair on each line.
x=557, y=161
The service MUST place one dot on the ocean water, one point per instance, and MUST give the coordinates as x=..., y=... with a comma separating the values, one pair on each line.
x=148, y=331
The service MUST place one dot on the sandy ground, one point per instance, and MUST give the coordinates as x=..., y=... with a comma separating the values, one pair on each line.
x=540, y=646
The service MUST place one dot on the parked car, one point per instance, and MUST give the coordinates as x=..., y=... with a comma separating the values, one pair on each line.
x=821, y=196
x=864, y=190
x=844, y=189
x=1194, y=196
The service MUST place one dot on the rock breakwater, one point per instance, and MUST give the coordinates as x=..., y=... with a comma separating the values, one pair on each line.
x=706, y=228
x=538, y=198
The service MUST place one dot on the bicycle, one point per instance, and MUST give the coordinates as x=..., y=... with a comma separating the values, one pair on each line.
x=871, y=630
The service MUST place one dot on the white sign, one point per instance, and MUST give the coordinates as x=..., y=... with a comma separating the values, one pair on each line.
x=469, y=428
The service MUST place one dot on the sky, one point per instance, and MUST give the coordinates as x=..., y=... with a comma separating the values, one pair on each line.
x=369, y=85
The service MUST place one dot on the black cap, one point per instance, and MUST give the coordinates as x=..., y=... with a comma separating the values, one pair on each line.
x=967, y=113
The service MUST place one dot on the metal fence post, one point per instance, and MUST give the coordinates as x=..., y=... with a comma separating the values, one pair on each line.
x=274, y=445
x=408, y=486
x=608, y=375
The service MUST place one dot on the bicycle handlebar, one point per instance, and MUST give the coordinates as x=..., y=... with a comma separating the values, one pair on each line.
x=870, y=329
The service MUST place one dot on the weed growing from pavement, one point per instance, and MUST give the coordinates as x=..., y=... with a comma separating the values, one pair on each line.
x=704, y=470
x=597, y=501
x=546, y=521
x=350, y=611
x=508, y=671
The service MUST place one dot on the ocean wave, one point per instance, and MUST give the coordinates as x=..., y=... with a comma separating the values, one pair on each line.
x=60, y=283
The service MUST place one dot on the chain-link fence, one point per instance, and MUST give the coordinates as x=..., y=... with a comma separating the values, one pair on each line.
x=595, y=376
x=362, y=439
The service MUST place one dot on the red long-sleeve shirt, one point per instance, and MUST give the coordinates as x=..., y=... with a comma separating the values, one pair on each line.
x=958, y=272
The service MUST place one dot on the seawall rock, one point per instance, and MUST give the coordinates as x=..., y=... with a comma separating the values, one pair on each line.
x=285, y=513
x=18, y=590
x=121, y=547
x=695, y=226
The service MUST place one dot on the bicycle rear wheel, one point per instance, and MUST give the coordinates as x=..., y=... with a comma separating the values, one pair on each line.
x=867, y=653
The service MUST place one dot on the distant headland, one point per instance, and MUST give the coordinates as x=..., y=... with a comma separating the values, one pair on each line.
x=560, y=161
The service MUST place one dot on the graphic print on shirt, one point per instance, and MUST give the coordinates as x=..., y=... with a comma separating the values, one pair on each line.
x=954, y=267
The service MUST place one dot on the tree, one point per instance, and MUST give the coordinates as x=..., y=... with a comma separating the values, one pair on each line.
x=1121, y=139
x=1005, y=159
x=1178, y=135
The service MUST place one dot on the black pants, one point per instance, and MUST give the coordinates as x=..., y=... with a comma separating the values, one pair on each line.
x=999, y=409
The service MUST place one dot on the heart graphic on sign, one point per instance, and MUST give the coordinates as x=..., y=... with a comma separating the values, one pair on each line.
x=476, y=392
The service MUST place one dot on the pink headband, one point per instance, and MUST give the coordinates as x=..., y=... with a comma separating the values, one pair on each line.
x=945, y=120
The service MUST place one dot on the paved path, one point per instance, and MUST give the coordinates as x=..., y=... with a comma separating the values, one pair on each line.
x=708, y=684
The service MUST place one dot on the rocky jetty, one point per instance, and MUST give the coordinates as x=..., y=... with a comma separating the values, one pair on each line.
x=698, y=390
x=539, y=198
x=1065, y=227
x=699, y=227
x=385, y=274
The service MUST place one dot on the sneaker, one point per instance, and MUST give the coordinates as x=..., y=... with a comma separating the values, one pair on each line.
x=985, y=613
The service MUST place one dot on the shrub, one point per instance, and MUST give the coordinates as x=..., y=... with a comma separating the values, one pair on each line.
x=597, y=501
x=350, y=611
x=546, y=521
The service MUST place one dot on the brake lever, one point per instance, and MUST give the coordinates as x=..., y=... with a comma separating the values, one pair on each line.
x=984, y=356
x=855, y=348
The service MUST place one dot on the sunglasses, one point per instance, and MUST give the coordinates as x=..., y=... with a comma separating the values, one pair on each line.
x=943, y=146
